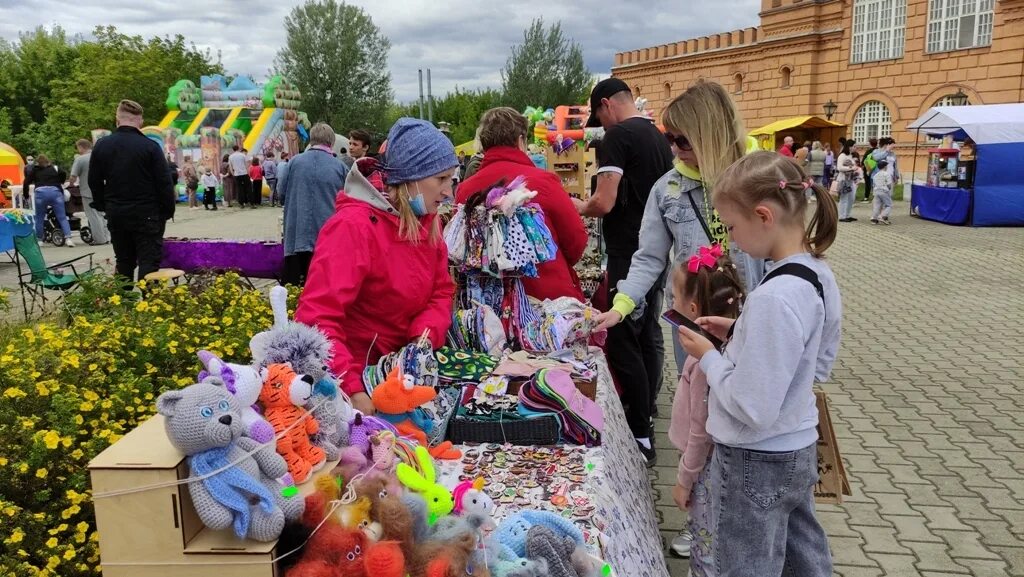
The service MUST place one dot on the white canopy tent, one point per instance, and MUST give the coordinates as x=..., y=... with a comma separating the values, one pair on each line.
x=998, y=133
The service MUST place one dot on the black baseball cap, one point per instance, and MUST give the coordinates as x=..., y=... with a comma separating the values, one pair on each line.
x=604, y=89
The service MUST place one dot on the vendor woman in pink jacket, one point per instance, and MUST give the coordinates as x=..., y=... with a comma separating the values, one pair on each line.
x=379, y=277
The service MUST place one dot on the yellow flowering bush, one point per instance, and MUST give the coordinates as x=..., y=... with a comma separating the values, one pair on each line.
x=71, y=386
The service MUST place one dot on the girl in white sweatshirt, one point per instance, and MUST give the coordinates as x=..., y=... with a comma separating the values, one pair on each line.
x=761, y=408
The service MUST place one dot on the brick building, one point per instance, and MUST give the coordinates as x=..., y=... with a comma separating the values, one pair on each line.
x=882, y=62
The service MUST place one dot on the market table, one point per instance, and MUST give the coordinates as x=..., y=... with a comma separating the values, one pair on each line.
x=948, y=205
x=604, y=490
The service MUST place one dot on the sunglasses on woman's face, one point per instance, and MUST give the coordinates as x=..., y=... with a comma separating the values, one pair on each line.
x=680, y=141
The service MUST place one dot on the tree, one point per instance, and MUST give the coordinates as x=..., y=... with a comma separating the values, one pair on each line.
x=338, y=58
x=461, y=109
x=546, y=70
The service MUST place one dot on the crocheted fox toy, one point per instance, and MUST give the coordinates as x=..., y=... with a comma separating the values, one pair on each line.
x=398, y=401
x=283, y=395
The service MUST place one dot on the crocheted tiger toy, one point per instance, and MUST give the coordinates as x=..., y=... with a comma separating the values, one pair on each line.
x=283, y=395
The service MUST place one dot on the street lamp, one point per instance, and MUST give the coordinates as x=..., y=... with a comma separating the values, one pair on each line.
x=830, y=109
x=958, y=99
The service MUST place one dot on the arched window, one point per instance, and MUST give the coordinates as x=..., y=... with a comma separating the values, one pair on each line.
x=737, y=83
x=636, y=90
x=947, y=100
x=871, y=121
x=668, y=91
x=787, y=74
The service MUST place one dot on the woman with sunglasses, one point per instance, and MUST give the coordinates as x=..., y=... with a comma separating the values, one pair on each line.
x=707, y=135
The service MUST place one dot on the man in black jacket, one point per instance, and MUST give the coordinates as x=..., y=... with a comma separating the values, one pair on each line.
x=131, y=183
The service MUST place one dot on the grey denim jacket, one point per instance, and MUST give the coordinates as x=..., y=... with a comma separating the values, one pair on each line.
x=670, y=224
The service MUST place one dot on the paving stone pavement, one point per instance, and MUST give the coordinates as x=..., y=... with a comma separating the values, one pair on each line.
x=926, y=401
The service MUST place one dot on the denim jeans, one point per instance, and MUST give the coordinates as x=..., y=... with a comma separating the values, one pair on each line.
x=762, y=514
x=846, y=198
x=51, y=196
x=882, y=204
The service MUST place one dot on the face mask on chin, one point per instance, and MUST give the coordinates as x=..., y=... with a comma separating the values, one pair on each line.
x=416, y=203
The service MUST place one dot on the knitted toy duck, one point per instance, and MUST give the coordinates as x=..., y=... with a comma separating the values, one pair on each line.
x=397, y=400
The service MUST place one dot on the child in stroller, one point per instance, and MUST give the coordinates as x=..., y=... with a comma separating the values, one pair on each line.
x=51, y=227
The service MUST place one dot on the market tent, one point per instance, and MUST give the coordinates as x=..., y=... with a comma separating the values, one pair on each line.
x=12, y=166
x=998, y=133
x=467, y=147
x=800, y=128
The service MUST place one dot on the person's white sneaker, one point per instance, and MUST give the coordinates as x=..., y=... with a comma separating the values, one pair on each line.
x=69, y=242
x=681, y=545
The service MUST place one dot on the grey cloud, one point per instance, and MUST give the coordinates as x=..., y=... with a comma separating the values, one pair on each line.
x=464, y=42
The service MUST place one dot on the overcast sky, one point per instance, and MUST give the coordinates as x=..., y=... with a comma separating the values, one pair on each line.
x=463, y=42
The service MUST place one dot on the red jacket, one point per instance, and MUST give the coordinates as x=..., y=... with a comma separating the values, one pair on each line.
x=370, y=291
x=557, y=278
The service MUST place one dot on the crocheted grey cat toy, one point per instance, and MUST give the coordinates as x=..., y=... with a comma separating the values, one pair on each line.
x=256, y=494
x=309, y=352
x=543, y=544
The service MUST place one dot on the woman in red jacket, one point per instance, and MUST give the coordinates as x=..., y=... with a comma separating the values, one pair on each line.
x=503, y=139
x=379, y=277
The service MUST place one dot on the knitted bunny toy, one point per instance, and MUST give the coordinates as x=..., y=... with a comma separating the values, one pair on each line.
x=438, y=498
x=309, y=352
x=283, y=395
x=256, y=495
x=244, y=382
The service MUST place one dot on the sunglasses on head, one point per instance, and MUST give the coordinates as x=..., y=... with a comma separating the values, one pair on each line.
x=680, y=141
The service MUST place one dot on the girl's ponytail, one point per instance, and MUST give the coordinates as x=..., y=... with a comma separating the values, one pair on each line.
x=821, y=231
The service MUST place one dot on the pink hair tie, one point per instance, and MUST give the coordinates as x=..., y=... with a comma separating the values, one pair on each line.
x=782, y=184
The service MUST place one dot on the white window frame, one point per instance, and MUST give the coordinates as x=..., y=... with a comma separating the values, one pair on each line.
x=958, y=25
x=879, y=30
x=872, y=120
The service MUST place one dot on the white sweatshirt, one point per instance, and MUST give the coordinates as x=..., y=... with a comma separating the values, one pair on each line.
x=760, y=389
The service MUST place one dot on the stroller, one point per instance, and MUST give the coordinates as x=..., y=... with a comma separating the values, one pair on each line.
x=52, y=232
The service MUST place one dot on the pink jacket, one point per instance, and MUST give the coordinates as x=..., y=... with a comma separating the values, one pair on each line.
x=689, y=418
x=370, y=291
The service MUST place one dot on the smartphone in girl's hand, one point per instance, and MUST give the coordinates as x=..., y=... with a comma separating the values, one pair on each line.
x=677, y=319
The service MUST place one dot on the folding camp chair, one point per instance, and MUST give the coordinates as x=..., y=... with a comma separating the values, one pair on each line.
x=42, y=277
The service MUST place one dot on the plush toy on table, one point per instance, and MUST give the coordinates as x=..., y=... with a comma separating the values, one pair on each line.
x=244, y=382
x=424, y=482
x=469, y=497
x=398, y=401
x=513, y=531
x=283, y=395
x=336, y=551
x=255, y=495
x=308, y=350
x=542, y=544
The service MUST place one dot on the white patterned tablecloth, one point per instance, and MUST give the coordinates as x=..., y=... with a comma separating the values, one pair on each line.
x=604, y=490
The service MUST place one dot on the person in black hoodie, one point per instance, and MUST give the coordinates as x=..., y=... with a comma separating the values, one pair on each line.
x=49, y=183
x=131, y=183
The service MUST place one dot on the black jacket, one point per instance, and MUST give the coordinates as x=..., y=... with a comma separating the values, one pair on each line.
x=129, y=178
x=46, y=176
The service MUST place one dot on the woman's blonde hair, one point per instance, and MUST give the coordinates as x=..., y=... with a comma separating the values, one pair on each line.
x=706, y=115
x=409, y=225
x=767, y=175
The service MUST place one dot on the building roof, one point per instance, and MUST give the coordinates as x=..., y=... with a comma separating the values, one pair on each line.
x=985, y=124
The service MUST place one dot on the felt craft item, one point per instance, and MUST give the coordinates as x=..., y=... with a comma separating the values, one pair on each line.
x=438, y=498
x=581, y=419
x=244, y=382
x=283, y=395
x=204, y=422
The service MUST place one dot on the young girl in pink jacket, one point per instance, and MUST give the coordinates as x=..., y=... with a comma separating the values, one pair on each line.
x=706, y=285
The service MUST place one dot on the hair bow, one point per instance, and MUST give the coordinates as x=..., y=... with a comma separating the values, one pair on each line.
x=706, y=256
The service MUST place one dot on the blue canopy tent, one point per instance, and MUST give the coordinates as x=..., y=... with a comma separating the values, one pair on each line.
x=998, y=133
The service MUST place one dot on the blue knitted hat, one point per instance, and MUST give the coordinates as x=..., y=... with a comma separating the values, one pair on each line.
x=416, y=150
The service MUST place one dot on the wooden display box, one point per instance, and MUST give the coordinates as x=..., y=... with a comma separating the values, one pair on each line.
x=832, y=483
x=570, y=168
x=157, y=532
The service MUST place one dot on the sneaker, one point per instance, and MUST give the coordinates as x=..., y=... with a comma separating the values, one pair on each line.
x=851, y=219
x=874, y=221
x=885, y=221
x=40, y=243
x=69, y=242
x=681, y=545
x=650, y=455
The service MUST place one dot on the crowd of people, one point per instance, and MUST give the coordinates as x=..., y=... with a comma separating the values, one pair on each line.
x=874, y=168
x=696, y=209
